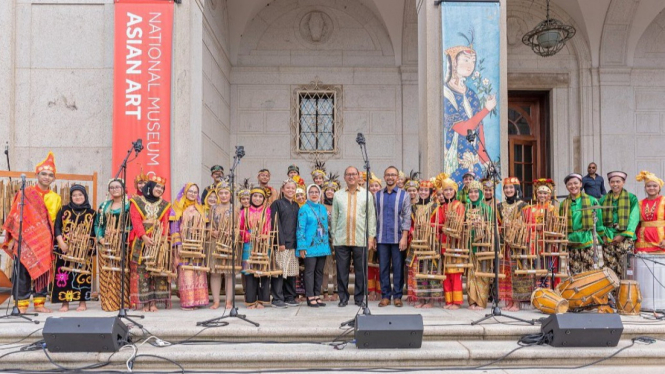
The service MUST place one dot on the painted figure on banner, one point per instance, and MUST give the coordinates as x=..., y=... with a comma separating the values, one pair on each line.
x=470, y=87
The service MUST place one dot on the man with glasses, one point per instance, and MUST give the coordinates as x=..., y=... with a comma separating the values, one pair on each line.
x=39, y=212
x=593, y=184
x=393, y=213
x=348, y=232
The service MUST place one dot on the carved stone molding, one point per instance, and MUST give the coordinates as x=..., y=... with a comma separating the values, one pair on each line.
x=316, y=27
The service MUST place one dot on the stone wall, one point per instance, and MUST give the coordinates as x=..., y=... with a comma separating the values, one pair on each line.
x=292, y=43
x=56, y=70
x=216, y=121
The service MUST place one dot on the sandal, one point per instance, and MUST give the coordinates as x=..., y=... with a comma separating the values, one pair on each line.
x=319, y=303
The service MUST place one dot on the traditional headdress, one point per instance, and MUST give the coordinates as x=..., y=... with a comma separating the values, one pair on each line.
x=299, y=181
x=319, y=169
x=647, y=176
x=487, y=182
x=331, y=183
x=376, y=179
x=47, y=164
x=443, y=181
x=427, y=183
x=223, y=185
x=511, y=181
x=544, y=184
x=412, y=181
x=140, y=177
x=617, y=173
x=158, y=179
x=293, y=168
x=571, y=176
x=300, y=190
x=475, y=185
x=243, y=189
x=401, y=175
x=259, y=190
x=215, y=168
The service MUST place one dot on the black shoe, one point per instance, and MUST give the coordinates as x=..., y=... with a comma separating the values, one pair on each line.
x=278, y=304
x=342, y=304
x=319, y=303
x=312, y=303
x=292, y=303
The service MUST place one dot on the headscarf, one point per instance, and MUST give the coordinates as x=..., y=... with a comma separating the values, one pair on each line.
x=147, y=191
x=86, y=203
x=320, y=193
x=212, y=192
x=181, y=203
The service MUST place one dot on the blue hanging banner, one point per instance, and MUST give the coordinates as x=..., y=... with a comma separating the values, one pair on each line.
x=471, y=92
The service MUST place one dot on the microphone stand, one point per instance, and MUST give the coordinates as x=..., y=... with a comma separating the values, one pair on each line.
x=233, y=313
x=494, y=174
x=9, y=168
x=124, y=219
x=363, y=149
x=17, y=261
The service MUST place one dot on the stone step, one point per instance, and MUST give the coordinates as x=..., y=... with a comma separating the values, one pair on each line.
x=310, y=356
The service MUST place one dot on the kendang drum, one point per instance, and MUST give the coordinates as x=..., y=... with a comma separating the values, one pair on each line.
x=589, y=289
x=649, y=273
x=548, y=301
x=630, y=298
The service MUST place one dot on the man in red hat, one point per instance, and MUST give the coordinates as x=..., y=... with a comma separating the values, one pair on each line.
x=39, y=212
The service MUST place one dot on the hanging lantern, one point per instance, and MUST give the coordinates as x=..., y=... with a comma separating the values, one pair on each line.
x=549, y=37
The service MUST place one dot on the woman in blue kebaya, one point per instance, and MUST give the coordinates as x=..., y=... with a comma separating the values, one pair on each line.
x=313, y=243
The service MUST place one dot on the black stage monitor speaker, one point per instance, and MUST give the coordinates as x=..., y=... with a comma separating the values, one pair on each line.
x=389, y=331
x=84, y=334
x=583, y=329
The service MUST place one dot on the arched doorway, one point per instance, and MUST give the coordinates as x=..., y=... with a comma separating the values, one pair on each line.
x=528, y=144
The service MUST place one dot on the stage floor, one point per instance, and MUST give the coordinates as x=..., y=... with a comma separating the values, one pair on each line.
x=449, y=340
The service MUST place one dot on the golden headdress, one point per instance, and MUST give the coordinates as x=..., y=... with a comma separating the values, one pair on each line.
x=475, y=185
x=243, y=189
x=647, y=176
x=544, y=184
x=412, y=181
x=319, y=169
x=140, y=177
x=331, y=183
x=443, y=181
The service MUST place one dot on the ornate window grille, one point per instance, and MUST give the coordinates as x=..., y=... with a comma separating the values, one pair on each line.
x=316, y=119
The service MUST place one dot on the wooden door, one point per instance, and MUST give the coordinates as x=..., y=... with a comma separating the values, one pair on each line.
x=528, y=144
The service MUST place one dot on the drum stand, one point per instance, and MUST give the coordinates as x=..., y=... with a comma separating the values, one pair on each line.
x=653, y=292
x=17, y=264
x=233, y=313
x=124, y=218
x=494, y=174
x=360, y=139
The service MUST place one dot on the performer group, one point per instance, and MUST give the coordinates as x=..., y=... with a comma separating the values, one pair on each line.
x=428, y=241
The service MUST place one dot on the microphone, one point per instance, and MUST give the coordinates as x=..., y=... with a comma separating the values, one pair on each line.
x=360, y=139
x=240, y=151
x=23, y=177
x=470, y=135
x=138, y=146
x=7, y=148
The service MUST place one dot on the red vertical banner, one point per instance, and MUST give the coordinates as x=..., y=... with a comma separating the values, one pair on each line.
x=142, y=86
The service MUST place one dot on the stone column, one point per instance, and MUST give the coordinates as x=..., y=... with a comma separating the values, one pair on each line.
x=187, y=96
x=7, y=81
x=429, y=87
x=430, y=72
